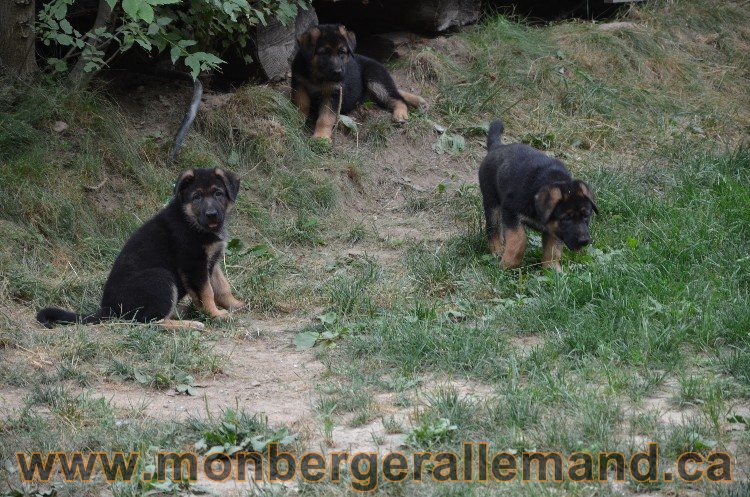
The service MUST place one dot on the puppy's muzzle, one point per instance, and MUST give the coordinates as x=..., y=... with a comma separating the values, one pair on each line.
x=213, y=219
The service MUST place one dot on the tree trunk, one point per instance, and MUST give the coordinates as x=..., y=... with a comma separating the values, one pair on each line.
x=17, y=56
x=79, y=78
x=273, y=46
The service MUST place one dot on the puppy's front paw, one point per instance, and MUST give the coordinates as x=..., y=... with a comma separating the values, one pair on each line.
x=220, y=314
x=237, y=305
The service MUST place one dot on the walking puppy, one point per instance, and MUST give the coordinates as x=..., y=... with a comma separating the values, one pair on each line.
x=521, y=185
x=329, y=79
x=175, y=253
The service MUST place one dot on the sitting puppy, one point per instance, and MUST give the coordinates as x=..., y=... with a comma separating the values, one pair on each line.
x=175, y=253
x=521, y=185
x=328, y=79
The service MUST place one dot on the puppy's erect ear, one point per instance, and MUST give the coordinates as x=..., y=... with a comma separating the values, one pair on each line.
x=231, y=182
x=585, y=190
x=351, y=39
x=183, y=180
x=307, y=41
x=546, y=200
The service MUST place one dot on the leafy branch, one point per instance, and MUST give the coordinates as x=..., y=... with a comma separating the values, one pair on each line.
x=196, y=32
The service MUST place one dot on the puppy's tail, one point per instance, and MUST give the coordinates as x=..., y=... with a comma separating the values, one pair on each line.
x=494, y=134
x=49, y=316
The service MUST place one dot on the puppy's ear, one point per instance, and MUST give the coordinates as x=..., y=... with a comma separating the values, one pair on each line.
x=546, y=200
x=585, y=190
x=231, y=182
x=351, y=39
x=183, y=181
x=307, y=41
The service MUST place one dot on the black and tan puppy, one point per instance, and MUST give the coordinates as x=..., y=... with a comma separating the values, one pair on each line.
x=522, y=186
x=177, y=252
x=328, y=78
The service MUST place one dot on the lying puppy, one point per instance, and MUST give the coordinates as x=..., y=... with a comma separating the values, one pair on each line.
x=177, y=252
x=521, y=185
x=325, y=65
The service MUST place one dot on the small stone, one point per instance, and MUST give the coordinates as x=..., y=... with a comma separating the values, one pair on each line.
x=59, y=126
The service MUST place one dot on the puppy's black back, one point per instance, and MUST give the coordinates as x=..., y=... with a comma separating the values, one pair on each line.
x=511, y=174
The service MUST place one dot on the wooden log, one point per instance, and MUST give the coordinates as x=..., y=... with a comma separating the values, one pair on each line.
x=422, y=16
x=386, y=46
x=273, y=45
x=436, y=16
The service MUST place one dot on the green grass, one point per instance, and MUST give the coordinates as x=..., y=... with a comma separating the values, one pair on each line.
x=585, y=88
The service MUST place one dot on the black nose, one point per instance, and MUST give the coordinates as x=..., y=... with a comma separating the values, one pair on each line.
x=212, y=214
x=583, y=241
x=338, y=72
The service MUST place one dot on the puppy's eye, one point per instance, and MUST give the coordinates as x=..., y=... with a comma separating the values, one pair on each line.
x=195, y=196
x=218, y=194
x=342, y=51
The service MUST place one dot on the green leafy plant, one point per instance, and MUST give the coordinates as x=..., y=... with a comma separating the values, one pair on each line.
x=449, y=143
x=328, y=331
x=430, y=431
x=195, y=32
x=238, y=433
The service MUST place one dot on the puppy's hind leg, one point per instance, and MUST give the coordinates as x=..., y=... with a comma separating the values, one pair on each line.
x=179, y=324
x=386, y=95
x=148, y=296
x=495, y=230
x=413, y=100
x=492, y=213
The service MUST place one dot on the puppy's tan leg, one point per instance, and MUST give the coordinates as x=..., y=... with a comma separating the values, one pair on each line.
x=325, y=123
x=496, y=244
x=301, y=99
x=168, y=323
x=400, y=110
x=515, y=246
x=551, y=252
x=223, y=291
x=205, y=300
x=413, y=100
x=496, y=228
x=178, y=324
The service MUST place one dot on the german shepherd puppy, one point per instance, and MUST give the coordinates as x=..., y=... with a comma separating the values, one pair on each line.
x=177, y=252
x=325, y=66
x=521, y=185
